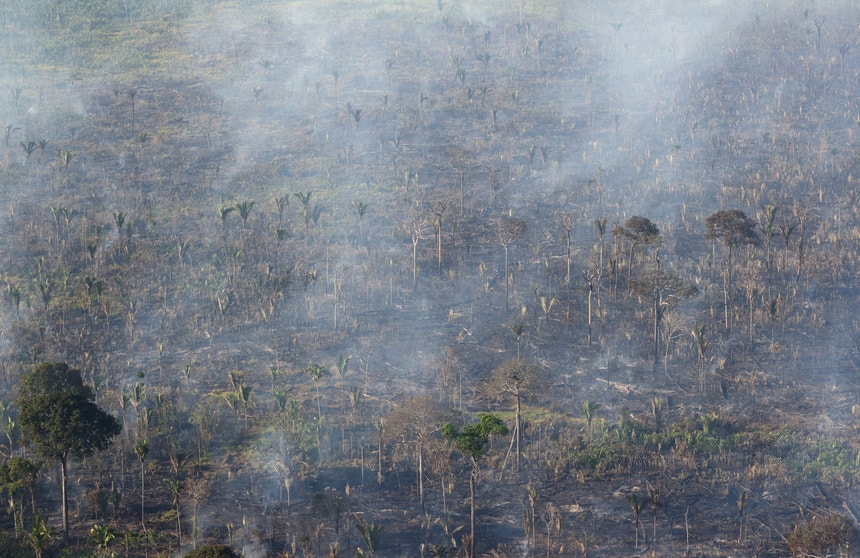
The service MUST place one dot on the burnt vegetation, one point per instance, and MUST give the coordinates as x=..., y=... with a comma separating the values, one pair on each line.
x=431, y=278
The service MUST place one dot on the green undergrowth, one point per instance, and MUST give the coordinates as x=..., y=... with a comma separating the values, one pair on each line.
x=714, y=444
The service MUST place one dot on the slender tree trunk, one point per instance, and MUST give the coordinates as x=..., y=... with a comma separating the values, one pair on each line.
x=178, y=528
x=472, y=480
x=507, y=283
x=142, y=494
x=590, y=293
x=421, y=478
x=517, y=426
x=728, y=292
x=439, y=241
x=656, y=328
x=414, y=262
x=65, y=504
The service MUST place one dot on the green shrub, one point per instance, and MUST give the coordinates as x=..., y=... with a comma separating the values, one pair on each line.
x=10, y=548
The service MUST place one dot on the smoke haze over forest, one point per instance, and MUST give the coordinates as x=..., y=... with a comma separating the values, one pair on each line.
x=300, y=248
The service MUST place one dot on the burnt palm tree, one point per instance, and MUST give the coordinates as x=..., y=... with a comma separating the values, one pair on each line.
x=244, y=208
x=637, y=502
x=317, y=372
x=282, y=202
x=8, y=130
x=29, y=147
x=175, y=488
x=132, y=93
x=361, y=209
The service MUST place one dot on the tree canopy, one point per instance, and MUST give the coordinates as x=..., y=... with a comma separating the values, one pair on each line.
x=731, y=227
x=474, y=437
x=58, y=416
x=639, y=230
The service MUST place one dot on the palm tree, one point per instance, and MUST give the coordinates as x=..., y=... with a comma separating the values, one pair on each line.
x=39, y=536
x=342, y=365
x=637, y=502
x=132, y=93
x=588, y=408
x=702, y=345
x=29, y=147
x=312, y=215
x=304, y=197
x=361, y=209
x=175, y=488
x=591, y=277
x=370, y=534
x=8, y=130
x=282, y=202
x=102, y=536
x=317, y=372
x=566, y=222
x=223, y=212
x=244, y=208
x=438, y=212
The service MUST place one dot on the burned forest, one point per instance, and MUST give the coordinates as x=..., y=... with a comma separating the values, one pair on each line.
x=416, y=278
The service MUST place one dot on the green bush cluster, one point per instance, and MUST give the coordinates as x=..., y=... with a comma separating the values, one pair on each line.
x=629, y=440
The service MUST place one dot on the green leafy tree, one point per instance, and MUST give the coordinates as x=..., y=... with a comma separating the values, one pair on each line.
x=472, y=442
x=17, y=474
x=58, y=417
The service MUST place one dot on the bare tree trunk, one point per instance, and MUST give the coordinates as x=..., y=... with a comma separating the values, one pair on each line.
x=65, y=504
x=421, y=478
x=472, y=478
x=517, y=434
